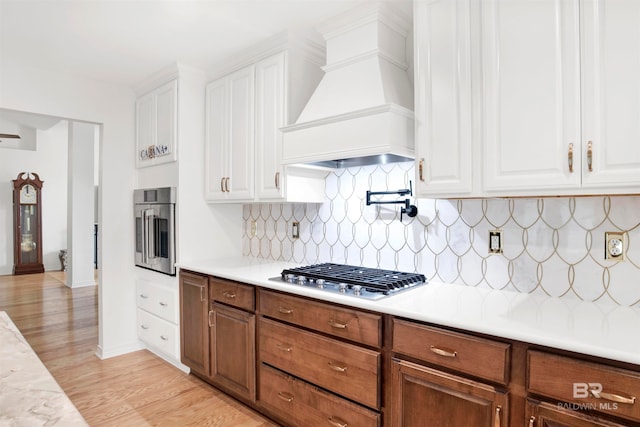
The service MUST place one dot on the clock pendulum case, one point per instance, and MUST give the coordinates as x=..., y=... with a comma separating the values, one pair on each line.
x=27, y=224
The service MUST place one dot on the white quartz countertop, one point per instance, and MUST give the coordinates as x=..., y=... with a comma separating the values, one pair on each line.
x=598, y=329
x=29, y=395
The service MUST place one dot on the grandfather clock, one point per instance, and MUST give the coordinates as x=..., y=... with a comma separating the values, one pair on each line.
x=27, y=224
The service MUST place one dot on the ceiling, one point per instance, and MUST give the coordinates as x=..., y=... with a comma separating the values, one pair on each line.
x=125, y=41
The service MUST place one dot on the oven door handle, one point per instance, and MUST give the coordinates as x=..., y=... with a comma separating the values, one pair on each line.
x=148, y=236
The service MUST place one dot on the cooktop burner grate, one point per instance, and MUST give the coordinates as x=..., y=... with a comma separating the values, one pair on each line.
x=374, y=280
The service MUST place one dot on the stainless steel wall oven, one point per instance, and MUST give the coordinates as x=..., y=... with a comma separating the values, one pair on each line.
x=154, y=213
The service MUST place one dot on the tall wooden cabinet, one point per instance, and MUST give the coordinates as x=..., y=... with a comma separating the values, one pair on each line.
x=517, y=98
x=194, y=314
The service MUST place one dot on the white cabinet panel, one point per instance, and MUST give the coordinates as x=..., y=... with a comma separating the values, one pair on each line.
x=611, y=93
x=229, y=146
x=157, y=125
x=270, y=114
x=444, y=138
x=531, y=94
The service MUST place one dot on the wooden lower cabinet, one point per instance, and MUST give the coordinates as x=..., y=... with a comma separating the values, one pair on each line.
x=422, y=396
x=194, y=328
x=542, y=414
x=232, y=338
x=299, y=403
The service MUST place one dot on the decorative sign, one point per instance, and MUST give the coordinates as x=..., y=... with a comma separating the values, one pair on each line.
x=154, y=151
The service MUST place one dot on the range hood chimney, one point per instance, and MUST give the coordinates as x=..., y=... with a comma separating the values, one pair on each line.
x=362, y=110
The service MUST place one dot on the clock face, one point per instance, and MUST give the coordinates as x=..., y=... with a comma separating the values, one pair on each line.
x=28, y=195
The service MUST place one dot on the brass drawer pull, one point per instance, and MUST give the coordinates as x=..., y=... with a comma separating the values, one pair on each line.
x=162, y=303
x=285, y=310
x=337, y=325
x=421, y=170
x=613, y=397
x=337, y=368
x=209, y=318
x=497, y=422
x=145, y=327
x=222, y=184
x=590, y=156
x=143, y=296
x=277, y=180
x=443, y=352
x=164, y=338
x=284, y=347
x=229, y=295
x=570, y=157
x=335, y=421
x=285, y=396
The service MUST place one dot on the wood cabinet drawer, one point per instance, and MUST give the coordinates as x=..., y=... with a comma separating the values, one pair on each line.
x=302, y=404
x=232, y=293
x=343, y=368
x=476, y=356
x=355, y=325
x=159, y=300
x=578, y=382
x=158, y=333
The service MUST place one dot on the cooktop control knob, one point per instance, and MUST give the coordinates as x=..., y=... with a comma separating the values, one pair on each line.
x=342, y=287
x=302, y=280
x=320, y=283
x=357, y=289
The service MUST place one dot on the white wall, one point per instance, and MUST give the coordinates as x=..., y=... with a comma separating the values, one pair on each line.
x=42, y=91
x=80, y=206
x=49, y=161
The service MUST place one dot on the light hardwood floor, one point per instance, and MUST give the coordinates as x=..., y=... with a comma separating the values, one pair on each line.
x=136, y=389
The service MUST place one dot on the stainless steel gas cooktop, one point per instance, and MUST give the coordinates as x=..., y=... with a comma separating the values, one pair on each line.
x=369, y=283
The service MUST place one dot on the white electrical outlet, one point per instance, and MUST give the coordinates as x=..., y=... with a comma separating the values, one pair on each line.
x=295, y=229
x=495, y=242
x=614, y=246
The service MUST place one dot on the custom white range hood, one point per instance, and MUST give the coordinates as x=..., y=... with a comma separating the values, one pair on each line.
x=362, y=110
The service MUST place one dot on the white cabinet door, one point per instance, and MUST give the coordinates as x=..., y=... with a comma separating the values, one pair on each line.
x=157, y=125
x=241, y=143
x=270, y=117
x=531, y=96
x=611, y=94
x=229, y=148
x=216, y=138
x=444, y=128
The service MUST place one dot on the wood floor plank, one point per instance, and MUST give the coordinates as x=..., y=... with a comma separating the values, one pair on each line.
x=135, y=389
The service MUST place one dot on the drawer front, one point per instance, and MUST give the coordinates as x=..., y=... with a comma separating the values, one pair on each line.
x=476, y=356
x=232, y=293
x=343, y=368
x=571, y=380
x=302, y=404
x=350, y=324
x=159, y=334
x=159, y=300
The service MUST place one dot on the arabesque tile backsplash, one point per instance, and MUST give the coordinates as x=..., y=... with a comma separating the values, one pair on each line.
x=550, y=245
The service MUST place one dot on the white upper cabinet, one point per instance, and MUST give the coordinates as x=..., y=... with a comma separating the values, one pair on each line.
x=553, y=90
x=245, y=111
x=444, y=138
x=157, y=125
x=229, y=147
x=270, y=117
x=531, y=95
x=610, y=37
